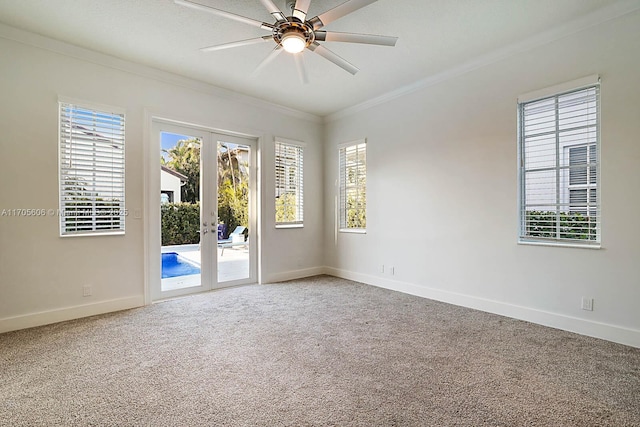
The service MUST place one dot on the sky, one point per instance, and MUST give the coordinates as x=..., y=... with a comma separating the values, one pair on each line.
x=168, y=141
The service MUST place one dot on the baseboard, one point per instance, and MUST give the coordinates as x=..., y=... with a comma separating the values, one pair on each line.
x=619, y=334
x=294, y=274
x=69, y=313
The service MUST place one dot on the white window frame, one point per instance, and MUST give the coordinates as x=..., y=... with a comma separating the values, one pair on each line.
x=295, y=165
x=92, y=136
x=343, y=187
x=561, y=171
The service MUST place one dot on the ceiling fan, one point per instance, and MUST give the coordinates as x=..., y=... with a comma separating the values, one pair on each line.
x=295, y=32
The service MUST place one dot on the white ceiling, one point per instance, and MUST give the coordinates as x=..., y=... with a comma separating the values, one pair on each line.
x=434, y=36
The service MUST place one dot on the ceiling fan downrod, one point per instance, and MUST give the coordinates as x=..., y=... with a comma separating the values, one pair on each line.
x=290, y=6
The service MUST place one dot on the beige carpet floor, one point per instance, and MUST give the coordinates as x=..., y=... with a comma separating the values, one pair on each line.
x=315, y=352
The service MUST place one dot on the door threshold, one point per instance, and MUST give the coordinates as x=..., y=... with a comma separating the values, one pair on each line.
x=203, y=292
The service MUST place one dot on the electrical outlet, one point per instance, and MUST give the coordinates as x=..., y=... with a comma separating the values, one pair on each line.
x=381, y=268
x=392, y=270
x=86, y=291
x=587, y=304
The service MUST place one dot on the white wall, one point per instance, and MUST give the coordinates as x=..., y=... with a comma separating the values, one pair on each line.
x=42, y=274
x=442, y=186
x=171, y=183
x=442, y=191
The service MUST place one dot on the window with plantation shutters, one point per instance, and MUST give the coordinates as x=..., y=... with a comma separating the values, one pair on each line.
x=353, y=186
x=559, y=169
x=92, y=171
x=289, y=184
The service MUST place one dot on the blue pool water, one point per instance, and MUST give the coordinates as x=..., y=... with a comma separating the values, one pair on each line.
x=174, y=265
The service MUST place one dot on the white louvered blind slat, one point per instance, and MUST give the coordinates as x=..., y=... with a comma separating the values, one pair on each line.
x=559, y=167
x=289, y=166
x=92, y=171
x=353, y=186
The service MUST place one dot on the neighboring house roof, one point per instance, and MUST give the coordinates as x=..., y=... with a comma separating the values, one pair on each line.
x=174, y=173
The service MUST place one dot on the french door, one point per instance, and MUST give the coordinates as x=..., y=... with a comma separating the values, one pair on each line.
x=206, y=211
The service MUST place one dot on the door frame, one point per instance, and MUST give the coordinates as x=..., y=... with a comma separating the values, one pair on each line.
x=253, y=206
x=152, y=240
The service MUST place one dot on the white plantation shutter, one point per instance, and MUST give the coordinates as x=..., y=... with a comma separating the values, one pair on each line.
x=289, y=184
x=559, y=168
x=353, y=186
x=91, y=171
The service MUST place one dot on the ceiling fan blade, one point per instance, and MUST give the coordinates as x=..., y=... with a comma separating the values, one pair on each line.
x=274, y=53
x=300, y=9
x=338, y=12
x=237, y=44
x=302, y=69
x=224, y=14
x=273, y=10
x=327, y=54
x=331, y=36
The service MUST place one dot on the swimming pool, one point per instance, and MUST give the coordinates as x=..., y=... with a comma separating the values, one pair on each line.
x=173, y=265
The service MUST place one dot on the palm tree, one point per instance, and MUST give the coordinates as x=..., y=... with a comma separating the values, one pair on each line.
x=184, y=157
x=232, y=187
x=229, y=166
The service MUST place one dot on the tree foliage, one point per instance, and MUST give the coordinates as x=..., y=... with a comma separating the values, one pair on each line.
x=184, y=158
x=356, y=212
x=233, y=189
x=356, y=189
x=180, y=223
x=233, y=202
x=233, y=192
x=85, y=210
x=569, y=225
x=286, y=208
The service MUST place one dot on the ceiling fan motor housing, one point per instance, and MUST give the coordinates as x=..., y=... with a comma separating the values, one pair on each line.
x=297, y=32
x=293, y=26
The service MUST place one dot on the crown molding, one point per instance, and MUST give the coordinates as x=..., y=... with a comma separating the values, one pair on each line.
x=597, y=17
x=67, y=49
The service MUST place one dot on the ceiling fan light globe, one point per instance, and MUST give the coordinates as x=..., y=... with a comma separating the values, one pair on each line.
x=293, y=43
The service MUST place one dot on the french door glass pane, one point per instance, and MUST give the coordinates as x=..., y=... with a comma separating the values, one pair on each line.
x=180, y=211
x=234, y=235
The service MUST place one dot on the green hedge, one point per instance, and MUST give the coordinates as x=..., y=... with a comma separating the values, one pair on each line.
x=233, y=205
x=180, y=223
x=572, y=225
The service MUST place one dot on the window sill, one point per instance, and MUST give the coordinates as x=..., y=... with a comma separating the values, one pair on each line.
x=289, y=225
x=561, y=244
x=353, y=230
x=94, y=234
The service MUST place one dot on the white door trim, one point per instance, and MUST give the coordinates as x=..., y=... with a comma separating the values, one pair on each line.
x=151, y=187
